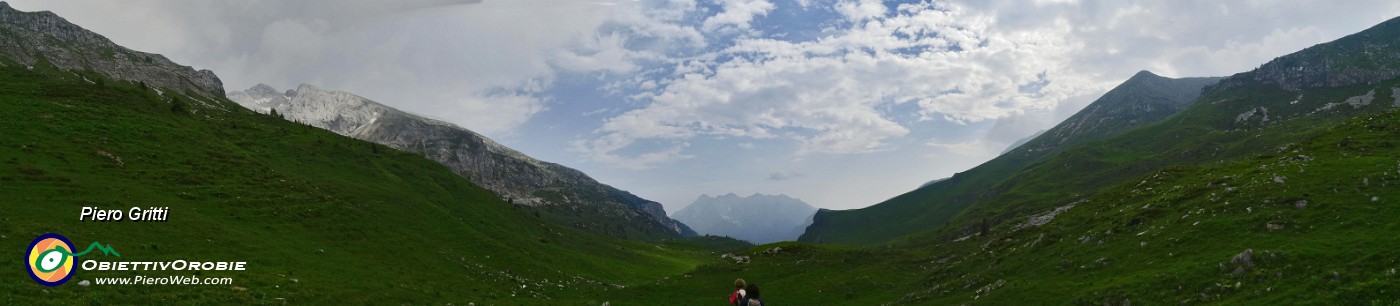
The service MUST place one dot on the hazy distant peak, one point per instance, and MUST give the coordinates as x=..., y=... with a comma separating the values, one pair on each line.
x=756, y=218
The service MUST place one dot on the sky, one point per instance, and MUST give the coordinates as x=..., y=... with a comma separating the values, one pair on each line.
x=842, y=104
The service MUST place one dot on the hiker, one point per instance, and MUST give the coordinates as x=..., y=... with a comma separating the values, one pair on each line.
x=752, y=296
x=738, y=296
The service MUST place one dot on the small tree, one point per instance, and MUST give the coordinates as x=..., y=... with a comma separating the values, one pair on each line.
x=273, y=112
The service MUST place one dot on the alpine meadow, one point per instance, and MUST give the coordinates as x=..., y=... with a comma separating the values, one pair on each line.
x=560, y=152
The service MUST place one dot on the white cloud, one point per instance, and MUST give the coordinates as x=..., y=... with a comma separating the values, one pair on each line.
x=737, y=13
x=974, y=148
x=482, y=65
x=858, y=10
x=827, y=95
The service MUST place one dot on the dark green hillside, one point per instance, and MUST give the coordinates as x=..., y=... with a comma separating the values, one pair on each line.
x=320, y=218
x=1141, y=100
x=1284, y=101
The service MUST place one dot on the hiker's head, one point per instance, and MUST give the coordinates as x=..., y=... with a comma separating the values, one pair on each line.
x=752, y=291
x=739, y=283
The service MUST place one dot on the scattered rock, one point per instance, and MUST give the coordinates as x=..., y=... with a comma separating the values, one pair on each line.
x=773, y=250
x=1042, y=219
x=1262, y=111
x=1395, y=93
x=239, y=289
x=1274, y=225
x=1375, y=198
x=114, y=158
x=1244, y=259
x=737, y=258
x=86, y=283
x=1301, y=204
x=1279, y=179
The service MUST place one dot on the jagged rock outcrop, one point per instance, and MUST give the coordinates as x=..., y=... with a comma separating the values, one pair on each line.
x=31, y=37
x=515, y=176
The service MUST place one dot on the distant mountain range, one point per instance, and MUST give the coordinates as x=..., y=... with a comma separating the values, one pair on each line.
x=565, y=195
x=757, y=218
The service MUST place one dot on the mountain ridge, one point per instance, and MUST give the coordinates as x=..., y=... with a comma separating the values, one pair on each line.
x=1143, y=99
x=570, y=195
x=318, y=217
x=28, y=38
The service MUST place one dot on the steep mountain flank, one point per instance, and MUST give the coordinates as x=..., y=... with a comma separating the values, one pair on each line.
x=1144, y=99
x=567, y=195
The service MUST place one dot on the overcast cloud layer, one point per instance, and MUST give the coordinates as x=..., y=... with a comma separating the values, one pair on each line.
x=840, y=103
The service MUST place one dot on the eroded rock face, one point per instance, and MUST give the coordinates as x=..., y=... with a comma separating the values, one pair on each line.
x=513, y=175
x=29, y=37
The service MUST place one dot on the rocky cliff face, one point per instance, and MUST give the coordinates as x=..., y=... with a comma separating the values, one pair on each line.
x=758, y=218
x=515, y=176
x=29, y=38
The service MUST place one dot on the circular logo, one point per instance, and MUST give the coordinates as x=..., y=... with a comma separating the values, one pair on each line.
x=49, y=261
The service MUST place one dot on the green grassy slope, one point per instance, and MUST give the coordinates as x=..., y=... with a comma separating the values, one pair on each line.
x=1283, y=101
x=1317, y=216
x=1144, y=99
x=320, y=218
x=1157, y=215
